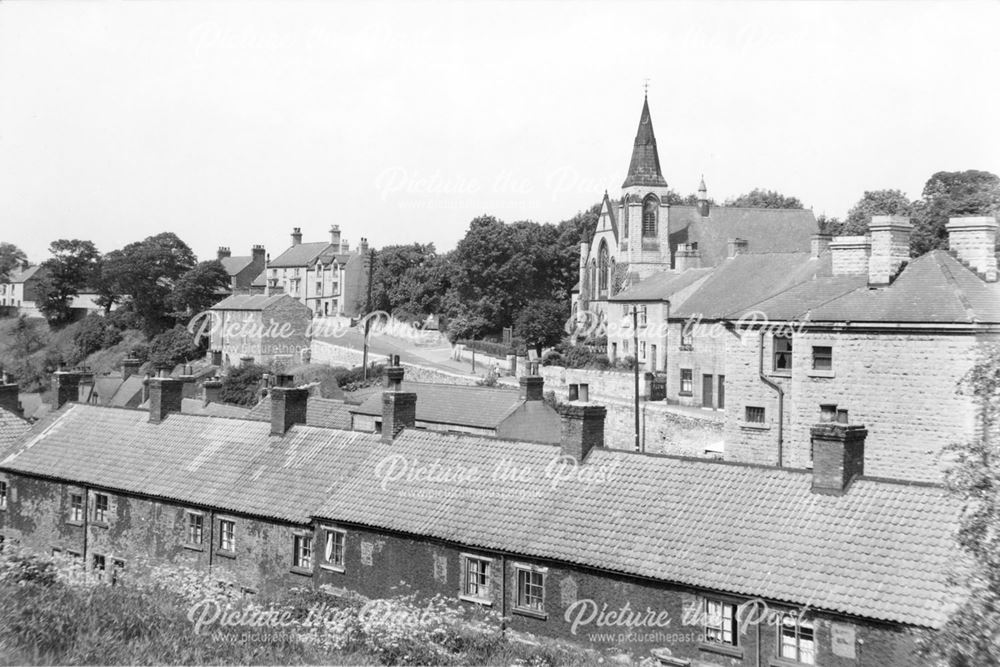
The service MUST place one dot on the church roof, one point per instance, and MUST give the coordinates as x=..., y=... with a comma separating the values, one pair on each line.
x=766, y=230
x=644, y=169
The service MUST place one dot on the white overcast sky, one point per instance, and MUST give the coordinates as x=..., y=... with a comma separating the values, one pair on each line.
x=230, y=123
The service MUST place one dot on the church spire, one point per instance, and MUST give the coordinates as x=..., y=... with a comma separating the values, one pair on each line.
x=644, y=169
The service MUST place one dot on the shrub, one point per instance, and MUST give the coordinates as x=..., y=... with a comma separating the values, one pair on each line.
x=241, y=385
x=174, y=346
x=488, y=347
x=94, y=333
x=628, y=363
x=553, y=358
x=601, y=362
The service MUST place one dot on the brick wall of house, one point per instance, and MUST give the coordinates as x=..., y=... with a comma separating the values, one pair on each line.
x=143, y=532
x=900, y=386
x=379, y=564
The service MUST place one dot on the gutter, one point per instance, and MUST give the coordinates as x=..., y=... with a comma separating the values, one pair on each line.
x=781, y=400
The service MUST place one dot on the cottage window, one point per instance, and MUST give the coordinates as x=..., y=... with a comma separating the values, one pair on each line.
x=822, y=358
x=333, y=549
x=477, y=578
x=531, y=589
x=720, y=622
x=302, y=553
x=782, y=353
x=195, y=528
x=687, y=382
x=754, y=414
x=76, y=507
x=101, y=504
x=3, y=495
x=227, y=535
x=687, y=338
x=642, y=350
x=796, y=639
x=642, y=316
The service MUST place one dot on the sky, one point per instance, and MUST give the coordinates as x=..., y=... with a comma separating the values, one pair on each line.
x=231, y=123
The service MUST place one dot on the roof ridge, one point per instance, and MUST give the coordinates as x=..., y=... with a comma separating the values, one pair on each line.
x=959, y=294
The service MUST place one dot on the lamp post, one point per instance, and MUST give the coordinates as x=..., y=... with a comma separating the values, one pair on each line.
x=635, y=343
x=368, y=311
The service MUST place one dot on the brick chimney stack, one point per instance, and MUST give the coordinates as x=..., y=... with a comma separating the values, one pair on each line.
x=687, y=256
x=213, y=389
x=335, y=235
x=223, y=252
x=258, y=256
x=65, y=387
x=399, y=408
x=130, y=367
x=737, y=247
x=296, y=235
x=838, y=453
x=820, y=243
x=890, y=247
x=849, y=255
x=9, y=396
x=974, y=241
x=582, y=429
x=532, y=387
x=165, y=395
x=288, y=405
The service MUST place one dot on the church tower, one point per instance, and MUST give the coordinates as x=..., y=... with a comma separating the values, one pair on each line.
x=643, y=209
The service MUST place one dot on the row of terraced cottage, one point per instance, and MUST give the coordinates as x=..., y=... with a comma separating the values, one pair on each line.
x=566, y=538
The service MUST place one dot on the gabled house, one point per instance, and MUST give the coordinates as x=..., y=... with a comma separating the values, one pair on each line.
x=243, y=269
x=259, y=328
x=19, y=293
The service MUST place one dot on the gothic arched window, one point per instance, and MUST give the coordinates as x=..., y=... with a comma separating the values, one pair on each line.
x=624, y=217
x=650, y=211
x=602, y=267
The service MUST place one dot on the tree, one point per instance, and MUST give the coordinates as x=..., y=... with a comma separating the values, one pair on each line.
x=241, y=386
x=173, y=347
x=541, y=323
x=760, y=198
x=828, y=225
x=947, y=194
x=70, y=269
x=198, y=289
x=408, y=279
x=11, y=258
x=145, y=272
x=875, y=202
x=971, y=635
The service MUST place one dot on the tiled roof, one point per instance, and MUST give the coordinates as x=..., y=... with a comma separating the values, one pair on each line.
x=197, y=406
x=764, y=229
x=233, y=265
x=934, y=287
x=23, y=275
x=745, y=280
x=260, y=280
x=230, y=464
x=12, y=427
x=879, y=551
x=129, y=393
x=326, y=412
x=250, y=301
x=644, y=167
x=798, y=301
x=299, y=255
x=478, y=407
x=661, y=286
x=33, y=405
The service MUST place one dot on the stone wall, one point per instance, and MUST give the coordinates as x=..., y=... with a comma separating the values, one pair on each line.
x=338, y=355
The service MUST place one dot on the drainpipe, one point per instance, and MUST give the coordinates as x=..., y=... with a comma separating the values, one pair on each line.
x=211, y=539
x=781, y=400
x=503, y=595
x=86, y=522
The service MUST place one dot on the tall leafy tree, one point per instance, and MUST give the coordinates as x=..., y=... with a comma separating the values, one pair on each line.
x=144, y=274
x=947, y=194
x=199, y=289
x=408, y=280
x=11, y=258
x=761, y=198
x=875, y=202
x=541, y=323
x=70, y=269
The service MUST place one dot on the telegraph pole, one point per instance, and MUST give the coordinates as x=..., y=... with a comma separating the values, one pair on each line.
x=635, y=343
x=368, y=310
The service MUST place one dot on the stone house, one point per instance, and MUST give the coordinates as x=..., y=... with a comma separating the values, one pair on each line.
x=259, y=328
x=242, y=269
x=642, y=233
x=648, y=537
x=19, y=293
x=328, y=277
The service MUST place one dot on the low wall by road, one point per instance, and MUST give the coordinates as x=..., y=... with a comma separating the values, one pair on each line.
x=338, y=355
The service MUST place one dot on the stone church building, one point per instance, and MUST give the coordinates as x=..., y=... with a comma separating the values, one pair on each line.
x=641, y=233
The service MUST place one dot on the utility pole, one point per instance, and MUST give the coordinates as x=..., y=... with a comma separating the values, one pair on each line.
x=368, y=310
x=635, y=343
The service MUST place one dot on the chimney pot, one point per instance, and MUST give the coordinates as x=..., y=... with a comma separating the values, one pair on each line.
x=394, y=378
x=130, y=367
x=66, y=387
x=296, y=235
x=532, y=388
x=288, y=407
x=9, y=399
x=838, y=456
x=582, y=429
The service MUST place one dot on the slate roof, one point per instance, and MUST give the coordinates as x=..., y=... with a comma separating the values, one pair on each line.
x=766, y=230
x=12, y=427
x=644, y=167
x=326, y=412
x=478, y=407
x=230, y=464
x=879, y=551
x=299, y=255
x=24, y=275
x=799, y=301
x=661, y=286
x=250, y=301
x=745, y=280
x=233, y=265
x=197, y=406
x=934, y=287
x=129, y=393
x=260, y=280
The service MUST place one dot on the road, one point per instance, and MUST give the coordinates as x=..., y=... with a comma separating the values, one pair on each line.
x=435, y=355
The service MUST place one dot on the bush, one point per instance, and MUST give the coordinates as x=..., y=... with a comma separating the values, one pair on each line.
x=241, y=386
x=628, y=363
x=553, y=358
x=601, y=362
x=94, y=333
x=173, y=347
